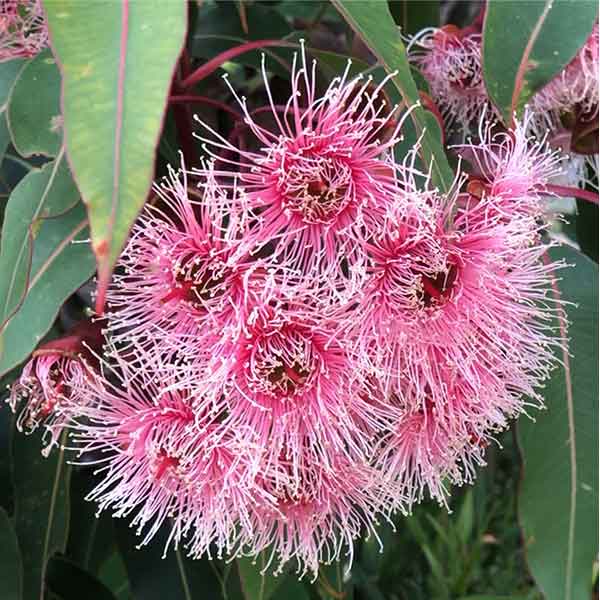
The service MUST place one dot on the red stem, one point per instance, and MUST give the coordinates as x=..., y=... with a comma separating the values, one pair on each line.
x=212, y=65
x=572, y=192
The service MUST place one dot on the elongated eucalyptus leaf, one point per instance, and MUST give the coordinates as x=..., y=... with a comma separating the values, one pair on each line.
x=11, y=570
x=559, y=491
x=527, y=42
x=371, y=20
x=41, y=509
x=44, y=258
x=34, y=108
x=117, y=60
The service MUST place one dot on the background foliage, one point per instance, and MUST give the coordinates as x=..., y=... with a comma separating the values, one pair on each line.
x=526, y=530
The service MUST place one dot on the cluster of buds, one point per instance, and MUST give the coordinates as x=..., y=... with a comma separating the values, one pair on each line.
x=306, y=336
x=48, y=390
x=565, y=111
x=23, y=29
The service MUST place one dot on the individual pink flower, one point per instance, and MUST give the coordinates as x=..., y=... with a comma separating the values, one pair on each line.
x=575, y=87
x=50, y=382
x=450, y=60
x=162, y=455
x=512, y=168
x=292, y=384
x=320, y=182
x=186, y=272
x=23, y=29
x=316, y=520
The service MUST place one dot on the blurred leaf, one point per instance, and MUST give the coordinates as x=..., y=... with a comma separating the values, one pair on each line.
x=11, y=570
x=331, y=583
x=219, y=28
x=9, y=71
x=466, y=518
x=7, y=424
x=544, y=37
x=33, y=111
x=71, y=582
x=40, y=266
x=117, y=60
x=91, y=537
x=256, y=585
x=41, y=509
x=586, y=227
x=114, y=575
x=175, y=576
x=413, y=16
x=559, y=491
x=371, y=19
x=488, y=597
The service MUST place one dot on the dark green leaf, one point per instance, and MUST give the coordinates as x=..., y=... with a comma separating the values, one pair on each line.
x=256, y=585
x=413, y=16
x=114, y=575
x=559, y=492
x=219, y=29
x=7, y=425
x=586, y=227
x=71, y=582
x=371, y=19
x=527, y=42
x=34, y=108
x=11, y=570
x=43, y=258
x=91, y=537
x=117, y=61
x=41, y=509
x=175, y=576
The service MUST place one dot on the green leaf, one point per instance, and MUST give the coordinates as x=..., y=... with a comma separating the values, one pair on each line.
x=7, y=427
x=11, y=570
x=544, y=37
x=34, y=108
x=219, y=28
x=175, y=576
x=117, y=61
x=71, y=582
x=41, y=509
x=412, y=16
x=488, y=597
x=91, y=537
x=559, y=492
x=114, y=575
x=256, y=585
x=43, y=258
x=9, y=71
x=371, y=19
x=586, y=227
x=465, y=523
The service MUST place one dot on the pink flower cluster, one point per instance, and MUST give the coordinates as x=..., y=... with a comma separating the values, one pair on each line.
x=23, y=29
x=565, y=110
x=306, y=336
